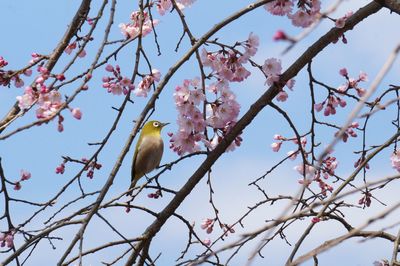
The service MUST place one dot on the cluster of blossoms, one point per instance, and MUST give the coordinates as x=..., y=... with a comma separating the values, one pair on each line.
x=314, y=175
x=340, y=22
x=352, y=83
x=220, y=113
x=90, y=168
x=208, y=225
x=48, y=101
x=308, y=11
x=25, y=175
x=326, y=170
x=366, y=199
x=145, y=84
x=132, y=30
x=272, y=68
x=349, y=132
x=361, y=161
x=228, y=65
x=117, y=84
x=7, y=76
x=190, y=120
x=155, y=195
x=7, y=239
x=72, y=46
x=164, y=5
x=333, y=101
x=276, y=146
x=395, y=160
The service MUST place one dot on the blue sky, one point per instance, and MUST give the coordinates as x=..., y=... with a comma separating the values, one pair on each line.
x=37, y=26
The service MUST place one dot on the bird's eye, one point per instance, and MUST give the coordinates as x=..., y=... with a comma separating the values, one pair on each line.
x=156, y=124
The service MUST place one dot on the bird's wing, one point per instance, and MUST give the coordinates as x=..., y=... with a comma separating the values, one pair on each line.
x=137, y=150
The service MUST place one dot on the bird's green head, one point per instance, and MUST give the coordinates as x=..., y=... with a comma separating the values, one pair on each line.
x=153, y=128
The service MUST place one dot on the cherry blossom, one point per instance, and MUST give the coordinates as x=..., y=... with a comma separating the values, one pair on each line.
x=25, y=175
x=340, y=22
x=116, y=84
x=76, y=113
x=395, y=160
x=7, y=239
x=279, y=7
x=144, y=85
x=276, y=146
x=308, y=11
x=3, y=62
x=145, y=25
x=280, y=35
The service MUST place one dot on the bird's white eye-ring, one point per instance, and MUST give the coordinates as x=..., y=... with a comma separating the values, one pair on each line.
x=156, y=124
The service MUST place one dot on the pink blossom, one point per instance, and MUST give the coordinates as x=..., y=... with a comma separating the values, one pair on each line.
x=28, y=72
x=60, y=169
x=163, y=6
x=18, y=82
x=276, y=146
x=282, y=96
x=395, y=160
x=315, y=220
x=70, y=48
x=3, y=62
x=302, y=18
x=17, y=186
x=49, y=103
x=25, y=175
x=340, y=22
x=292, y=155
x=109, y=68
x=279, y=7
x=76, y=113
x=132, y=29
x=280, y=35
x=9, y=240
x=290, y=84
x=207, y=242
x=82, y=53
x=279, y=137
x=343, y=72
x=308, y=169
x=272, y=79
x=363, y=76
x=60, y=77
x=318, y=106
x=360, y=92
x=27, y=99
x=272, y=67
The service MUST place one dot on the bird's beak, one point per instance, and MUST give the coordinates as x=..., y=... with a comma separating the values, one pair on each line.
x=164, y=124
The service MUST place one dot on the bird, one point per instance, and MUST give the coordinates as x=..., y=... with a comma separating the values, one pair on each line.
x=148, y=152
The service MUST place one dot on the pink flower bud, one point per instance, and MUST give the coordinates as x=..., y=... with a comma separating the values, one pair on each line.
x=82, y=54
x=76, y=112
x=109, y=68
x=280, y=35
x=318, y=106
x=17, y=186
x=343, y=72
x=60, y=77
x=207, y=242
x=25, y=175
x=276, y=146
x=315, y=220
